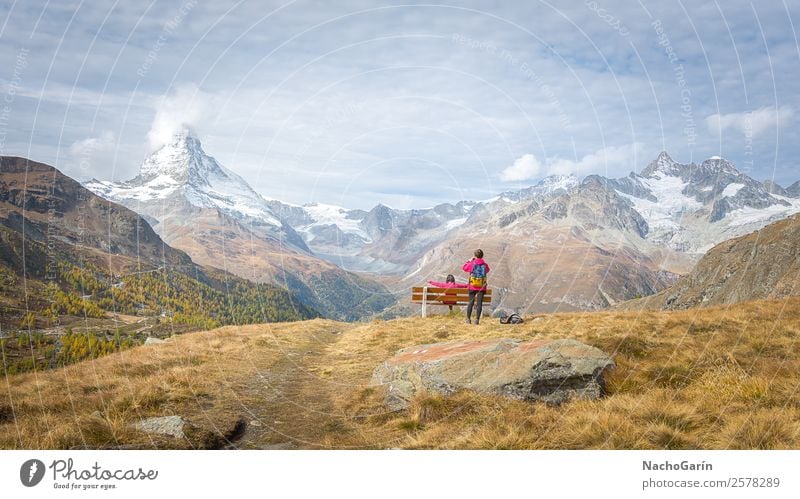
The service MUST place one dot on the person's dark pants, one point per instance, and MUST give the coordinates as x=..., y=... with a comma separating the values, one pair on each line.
x=479, y=306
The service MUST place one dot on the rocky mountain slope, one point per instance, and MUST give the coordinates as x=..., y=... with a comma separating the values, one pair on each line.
x=564, y=251
x=39, y=205
x=382, y=240
x=762, y=265
x=79, y=254
x=390, y=241
x=212, y=214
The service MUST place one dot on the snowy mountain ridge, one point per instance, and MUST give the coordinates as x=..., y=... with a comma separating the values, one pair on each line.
x=691, y=207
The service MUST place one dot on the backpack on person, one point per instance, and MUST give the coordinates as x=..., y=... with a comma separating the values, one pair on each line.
x=477, y=278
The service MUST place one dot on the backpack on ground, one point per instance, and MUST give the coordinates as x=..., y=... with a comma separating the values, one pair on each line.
x=511, y=319
x=477, y=278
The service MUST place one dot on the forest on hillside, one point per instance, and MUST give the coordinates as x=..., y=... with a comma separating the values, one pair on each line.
x=51, y=323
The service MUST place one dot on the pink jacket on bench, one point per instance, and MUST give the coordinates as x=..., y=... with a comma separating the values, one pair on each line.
x=439, y=284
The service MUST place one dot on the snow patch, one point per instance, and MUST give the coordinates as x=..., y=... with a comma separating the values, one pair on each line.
x=670, y=205
x=732, y=189
x=452, y=224
x=747, y=215
x=327, y=214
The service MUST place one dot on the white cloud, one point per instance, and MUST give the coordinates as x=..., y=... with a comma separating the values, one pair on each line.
x=622, y=158
x=456, y=87
x=187, y=106
x=750, y=122
x=86, y=148
x=90, y=155
x=525, y=167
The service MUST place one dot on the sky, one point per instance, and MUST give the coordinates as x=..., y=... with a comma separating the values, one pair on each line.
x=408, y=104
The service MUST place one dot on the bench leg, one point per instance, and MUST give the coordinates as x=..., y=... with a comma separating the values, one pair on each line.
x=425, y=301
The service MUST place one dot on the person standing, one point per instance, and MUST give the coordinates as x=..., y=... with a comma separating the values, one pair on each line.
x=477, y=269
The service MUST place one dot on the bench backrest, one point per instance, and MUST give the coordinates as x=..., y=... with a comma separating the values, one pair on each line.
x=444, y=296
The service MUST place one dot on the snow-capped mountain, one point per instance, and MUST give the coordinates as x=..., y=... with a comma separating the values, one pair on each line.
x=691, y=207
x=383, y=239
x=388, y=240
x=670, y=206
x=181, y=172
x=761, y=265
x=599, y=241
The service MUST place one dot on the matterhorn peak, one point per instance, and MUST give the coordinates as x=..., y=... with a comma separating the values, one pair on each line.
x=181, y=169
x=182, y=159
x=181, y=136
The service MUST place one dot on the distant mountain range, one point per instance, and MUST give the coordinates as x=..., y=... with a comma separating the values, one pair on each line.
x=594, y=243
x=564, y=243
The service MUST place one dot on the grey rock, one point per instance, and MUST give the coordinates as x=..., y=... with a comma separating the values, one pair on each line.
x=164, y=425
x=552, y=371
x=153, y=341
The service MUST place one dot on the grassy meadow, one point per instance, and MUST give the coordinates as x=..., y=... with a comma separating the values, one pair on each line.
x=716, y=378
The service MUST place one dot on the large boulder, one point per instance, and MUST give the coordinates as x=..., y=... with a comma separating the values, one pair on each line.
x=552, y=371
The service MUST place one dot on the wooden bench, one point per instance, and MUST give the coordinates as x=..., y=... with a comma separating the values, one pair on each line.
x=429, y=295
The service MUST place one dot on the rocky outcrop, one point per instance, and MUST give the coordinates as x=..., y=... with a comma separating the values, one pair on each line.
x=165, y=425
x=552, y=371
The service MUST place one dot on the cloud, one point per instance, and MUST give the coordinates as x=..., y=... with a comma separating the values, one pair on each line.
x=340, y=87
x=86, y=148
x=524, y=168
x=90, y=155
x=622, y=158
x=187, y=106
x=750, y=122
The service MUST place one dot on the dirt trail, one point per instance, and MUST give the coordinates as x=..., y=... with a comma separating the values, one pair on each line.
x=290, y=398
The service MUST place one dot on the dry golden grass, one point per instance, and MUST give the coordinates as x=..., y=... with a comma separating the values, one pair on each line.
x=712, y=378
